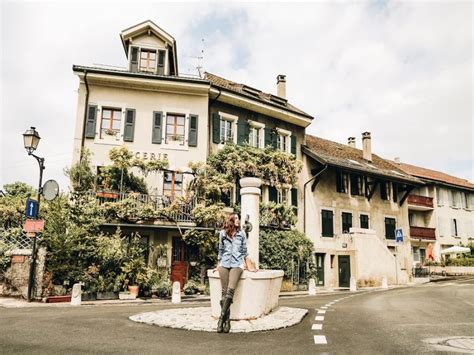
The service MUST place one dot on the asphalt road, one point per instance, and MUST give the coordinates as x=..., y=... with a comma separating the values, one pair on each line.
x=391, y=321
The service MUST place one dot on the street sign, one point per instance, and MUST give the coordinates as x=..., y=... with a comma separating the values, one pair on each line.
x=33, y=226
x=31, y=209
x=399, y=235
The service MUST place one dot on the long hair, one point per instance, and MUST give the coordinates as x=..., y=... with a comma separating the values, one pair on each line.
x=229, y=225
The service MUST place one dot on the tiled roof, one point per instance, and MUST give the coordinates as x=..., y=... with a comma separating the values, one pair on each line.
x=434, y=175
x=344, y=156
x=252, y=93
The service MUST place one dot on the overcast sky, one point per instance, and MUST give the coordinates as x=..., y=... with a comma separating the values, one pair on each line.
x=402, y=71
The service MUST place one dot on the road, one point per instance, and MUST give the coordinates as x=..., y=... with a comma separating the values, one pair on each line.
x=368, y=322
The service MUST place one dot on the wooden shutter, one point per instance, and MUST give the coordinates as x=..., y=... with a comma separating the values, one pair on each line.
x=294, y=197
x=293, y=145
x=327, y=223
x=157, y=127
x=383, y=190
x=129, y=125
x=339, y=181
x=242, y=133
x=272, y=194
x=134, y=59
x=91, y=121
x=395, y=191
x=270, y=138
x=161, y=62
x=193, y=131
x=216, y=128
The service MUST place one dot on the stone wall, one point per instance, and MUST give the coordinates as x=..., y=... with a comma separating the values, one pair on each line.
x=16, y=276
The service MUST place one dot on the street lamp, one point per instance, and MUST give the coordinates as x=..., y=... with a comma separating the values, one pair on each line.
x=31, y=140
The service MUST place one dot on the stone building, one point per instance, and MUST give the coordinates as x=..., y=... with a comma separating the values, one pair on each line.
x=355, y=204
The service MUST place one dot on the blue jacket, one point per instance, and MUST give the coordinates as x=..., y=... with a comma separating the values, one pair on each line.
x=232, y=251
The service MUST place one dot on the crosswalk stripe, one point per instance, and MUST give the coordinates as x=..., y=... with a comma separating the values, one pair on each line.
x=320, y=339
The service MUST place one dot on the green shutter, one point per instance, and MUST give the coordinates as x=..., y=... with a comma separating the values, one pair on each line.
x=193, y=131
x=293, y=145
x=270, y=138
x=129, y=125
x=91, y=121
x=243, y=131
x=156, y=129
x=216, y=128
x=272, y=194
x=294, y=197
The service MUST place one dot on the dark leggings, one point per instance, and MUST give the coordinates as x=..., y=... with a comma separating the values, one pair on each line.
x=229, y=279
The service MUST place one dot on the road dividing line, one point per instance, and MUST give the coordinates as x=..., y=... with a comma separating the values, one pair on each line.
x=320, y=339
x=319, y=318
x=324, y=307
x=321, y=312
x=317, y=327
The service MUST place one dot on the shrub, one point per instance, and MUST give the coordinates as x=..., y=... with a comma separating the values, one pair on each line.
x=163, y=288
x=191, y=287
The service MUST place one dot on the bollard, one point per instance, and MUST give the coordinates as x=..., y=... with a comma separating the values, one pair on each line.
x=76, y=297
x=353, y=284
x=176, y=297
x=384, y=282
x=312, y=287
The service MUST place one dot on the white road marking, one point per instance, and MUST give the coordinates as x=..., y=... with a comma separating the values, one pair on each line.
x=324, y=307
x=319, y=318
x=320, y=339
x=321, y=312
x=317, y=327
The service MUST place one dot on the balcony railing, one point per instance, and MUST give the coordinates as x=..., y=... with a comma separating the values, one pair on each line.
x=423, y=233
x=183, y=212
x=420, y=201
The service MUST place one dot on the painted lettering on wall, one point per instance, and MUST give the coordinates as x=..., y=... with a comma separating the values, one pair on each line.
x=150, y=155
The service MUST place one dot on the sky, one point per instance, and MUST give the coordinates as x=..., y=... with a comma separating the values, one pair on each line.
x=400, y=70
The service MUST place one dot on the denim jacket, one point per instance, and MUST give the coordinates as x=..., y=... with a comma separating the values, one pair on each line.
x=232, y=251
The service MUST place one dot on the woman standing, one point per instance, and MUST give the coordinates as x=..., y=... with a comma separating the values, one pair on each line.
x=231, y=258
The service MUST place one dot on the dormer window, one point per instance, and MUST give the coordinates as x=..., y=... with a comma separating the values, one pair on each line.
x=147, y=60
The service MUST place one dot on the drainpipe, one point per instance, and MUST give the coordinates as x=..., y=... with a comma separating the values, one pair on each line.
x=85, y=115
x=304, y=195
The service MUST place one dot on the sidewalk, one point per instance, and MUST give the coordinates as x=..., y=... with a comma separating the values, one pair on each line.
x=9, y=302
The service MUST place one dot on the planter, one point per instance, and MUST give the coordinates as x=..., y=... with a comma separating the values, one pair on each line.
x=107, y=295
x=89, y=296
x=57, y=299
x=133, y=290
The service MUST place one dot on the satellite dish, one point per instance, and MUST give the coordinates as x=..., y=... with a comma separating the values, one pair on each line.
x=50, y=190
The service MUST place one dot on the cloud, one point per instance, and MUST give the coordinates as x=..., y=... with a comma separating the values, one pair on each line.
x=400, y=70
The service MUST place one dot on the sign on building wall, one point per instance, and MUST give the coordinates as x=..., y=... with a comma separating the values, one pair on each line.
x=399, y=235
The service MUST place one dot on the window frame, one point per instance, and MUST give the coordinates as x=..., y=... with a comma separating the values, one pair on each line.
x=360, y=184
x=394, y=227
x=260, y=129
x=322, y=222
x=342, y=181
x=233, y=127
x=368, y=220
x=111, y=119
x=148, y=51
x=168, y=139
x=283, y=140
x=345, y=214
x=174, y=183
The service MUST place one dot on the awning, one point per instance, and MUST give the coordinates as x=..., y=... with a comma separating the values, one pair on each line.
x=456, y=250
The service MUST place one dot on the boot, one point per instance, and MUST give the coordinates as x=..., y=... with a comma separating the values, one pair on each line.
x=226, y=328
x=220, y=323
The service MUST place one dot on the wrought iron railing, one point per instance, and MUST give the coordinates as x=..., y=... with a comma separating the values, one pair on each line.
x=181, y=212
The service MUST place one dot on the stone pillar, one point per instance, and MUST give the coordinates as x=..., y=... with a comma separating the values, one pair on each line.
x=250, y=202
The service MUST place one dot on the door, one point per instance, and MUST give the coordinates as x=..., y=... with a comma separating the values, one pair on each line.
x=179, y=264
x=344, y=262
x=320, y=269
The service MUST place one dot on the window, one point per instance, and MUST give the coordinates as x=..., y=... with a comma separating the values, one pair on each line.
x=346, y=222
x=390, y=228
x=451, y=198
x=416, y=254
x=385, y=190
x=226, y=131
x=283, y=196
x=357, y=185
x=454, y=227
x=174, y=128
x=254, y=137
x=111, y=122
x=327, y=223
x=172, y=184
x=283, y=140
x=364, y=221
x=342, y=181
x=440, y=196
x=147, y=60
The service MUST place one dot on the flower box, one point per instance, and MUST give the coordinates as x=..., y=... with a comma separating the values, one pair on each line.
x=57, y=299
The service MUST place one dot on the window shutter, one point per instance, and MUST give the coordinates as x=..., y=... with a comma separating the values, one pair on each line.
x=272, y=194
x=452, y=228
x=134, y=59
x=294, y=197
x=161, y=62
x=91, y=121
x=293, y=145
x=129, y=125
x=338, y=181
x=268, y=137
x=383, y=190
x=157, y=124
x=242, y=133
x=395, y=191
x=193, y=130
x=238, y=198
x=216, y=127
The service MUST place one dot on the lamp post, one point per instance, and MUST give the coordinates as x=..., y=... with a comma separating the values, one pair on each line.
x=31, y=140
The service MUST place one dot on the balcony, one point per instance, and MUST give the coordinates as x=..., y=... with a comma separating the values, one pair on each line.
x=420, y=203
x=422, y=233
x=180, y=212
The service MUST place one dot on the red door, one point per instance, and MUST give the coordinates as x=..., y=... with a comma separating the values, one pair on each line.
x=179, y=264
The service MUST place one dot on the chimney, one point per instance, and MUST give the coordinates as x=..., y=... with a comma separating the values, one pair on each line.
x=397, y=160
x=281, y=86
x=367, y=146
x=351, y=141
